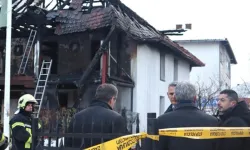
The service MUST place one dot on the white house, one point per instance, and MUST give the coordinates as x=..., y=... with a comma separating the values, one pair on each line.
x=218, y=56
x=152, y=70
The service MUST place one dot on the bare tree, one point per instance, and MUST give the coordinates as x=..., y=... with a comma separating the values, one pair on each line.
x=243, y=89
x=207, y=94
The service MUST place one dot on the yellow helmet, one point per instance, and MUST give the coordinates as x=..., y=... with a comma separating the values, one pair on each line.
x=26, y=98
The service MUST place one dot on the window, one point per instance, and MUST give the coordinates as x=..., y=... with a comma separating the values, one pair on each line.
x=175, y=69
x=63, y=99
x=229, y=70
x=162, y=105
x=162, y=66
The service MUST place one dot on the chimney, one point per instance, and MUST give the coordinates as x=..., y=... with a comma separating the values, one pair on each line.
x=178, y=26
x=189, y=26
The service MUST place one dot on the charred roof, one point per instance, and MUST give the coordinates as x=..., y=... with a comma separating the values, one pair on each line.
x=71, y=16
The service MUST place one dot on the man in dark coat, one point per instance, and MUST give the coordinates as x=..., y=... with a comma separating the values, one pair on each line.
x=185, y=114
x=233, y=113
x=171, y=91
x=99, y=117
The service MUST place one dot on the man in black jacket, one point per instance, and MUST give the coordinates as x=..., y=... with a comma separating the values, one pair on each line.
x=99, y=117
x=233, y=113
x=185, y=114
x=171, y=91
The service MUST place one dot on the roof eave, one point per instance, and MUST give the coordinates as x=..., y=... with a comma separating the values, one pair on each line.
x=230, y=51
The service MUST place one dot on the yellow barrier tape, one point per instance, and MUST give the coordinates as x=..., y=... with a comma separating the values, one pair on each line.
x=153, y=137
x=121, y=143
x=206, y=132
x=128, y=141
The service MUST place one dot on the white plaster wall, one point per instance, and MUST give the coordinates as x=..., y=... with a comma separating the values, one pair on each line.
x=225, y=74
x=183, y=70
x=145, y=67
x=207, y=53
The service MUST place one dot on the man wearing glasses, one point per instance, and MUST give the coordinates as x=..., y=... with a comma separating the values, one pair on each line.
x=171, y=92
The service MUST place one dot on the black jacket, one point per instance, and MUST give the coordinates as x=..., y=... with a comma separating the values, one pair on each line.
x=20, y=126
x=170, y=108
x=185, y=115
x=97, y=118
x=239, y=116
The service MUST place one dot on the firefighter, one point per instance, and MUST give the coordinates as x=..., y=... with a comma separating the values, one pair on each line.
x=3, y=141
x=20, y=124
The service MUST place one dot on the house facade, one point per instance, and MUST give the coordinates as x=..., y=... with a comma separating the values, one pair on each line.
x=153, y=71
x=89, y=46
x=218, y=57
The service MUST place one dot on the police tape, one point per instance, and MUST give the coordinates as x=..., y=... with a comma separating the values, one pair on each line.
x=206, y=132
x=128, y=141
x=120, y=143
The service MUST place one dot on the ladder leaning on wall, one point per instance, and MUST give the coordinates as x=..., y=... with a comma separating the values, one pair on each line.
x=27, y=51
x=41, y=85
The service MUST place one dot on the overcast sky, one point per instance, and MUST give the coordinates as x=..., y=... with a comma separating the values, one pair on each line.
x=210, y=19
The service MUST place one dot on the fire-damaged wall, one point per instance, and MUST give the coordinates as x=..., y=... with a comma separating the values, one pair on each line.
x=74, y=53
x=18, y=46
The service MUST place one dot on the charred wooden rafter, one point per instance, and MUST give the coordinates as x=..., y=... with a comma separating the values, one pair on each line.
x=173, y=32
x=82, y=84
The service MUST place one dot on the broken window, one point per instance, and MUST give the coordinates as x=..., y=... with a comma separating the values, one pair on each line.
x=120, y=61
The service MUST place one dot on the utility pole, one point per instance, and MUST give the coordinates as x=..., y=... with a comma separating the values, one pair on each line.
x=7, y=70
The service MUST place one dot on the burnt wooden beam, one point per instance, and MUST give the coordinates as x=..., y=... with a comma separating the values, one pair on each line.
x=82, y=86
x=14, y=7
x=64, y=4
x=48, y=4
x=25, y=5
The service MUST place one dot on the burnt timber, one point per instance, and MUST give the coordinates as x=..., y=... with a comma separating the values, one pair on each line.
x=69, y=17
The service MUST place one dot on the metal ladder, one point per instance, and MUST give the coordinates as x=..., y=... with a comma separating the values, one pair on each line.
x=41, y=85
x=27, y=51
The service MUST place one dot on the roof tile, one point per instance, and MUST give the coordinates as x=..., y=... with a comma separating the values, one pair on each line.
x=76, y=21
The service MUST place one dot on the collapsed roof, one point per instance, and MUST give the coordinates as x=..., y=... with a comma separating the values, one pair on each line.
x=73, y=16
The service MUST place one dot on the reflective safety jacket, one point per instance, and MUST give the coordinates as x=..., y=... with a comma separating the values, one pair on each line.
x=20, y=126
x=3, y=141
x=2, y=138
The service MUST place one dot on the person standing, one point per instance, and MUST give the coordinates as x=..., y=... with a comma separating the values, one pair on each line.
x=171, y=92
x=99, y=117
x=233, y=113
x=20, y=124
x=185, y=114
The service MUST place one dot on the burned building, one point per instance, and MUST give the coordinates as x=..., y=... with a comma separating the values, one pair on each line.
x=85, y=43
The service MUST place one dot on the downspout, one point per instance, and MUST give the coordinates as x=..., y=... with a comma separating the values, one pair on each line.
x=132, y=98
x=104, y=65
